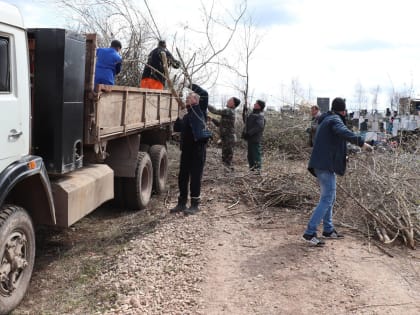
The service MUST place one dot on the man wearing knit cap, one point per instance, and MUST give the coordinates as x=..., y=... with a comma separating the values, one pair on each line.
x=227, y=129
x=328, y=158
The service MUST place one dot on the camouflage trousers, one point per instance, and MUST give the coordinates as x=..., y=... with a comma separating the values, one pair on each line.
x=228, y=144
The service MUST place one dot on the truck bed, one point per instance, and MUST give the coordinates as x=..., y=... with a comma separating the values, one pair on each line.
x=116, y=111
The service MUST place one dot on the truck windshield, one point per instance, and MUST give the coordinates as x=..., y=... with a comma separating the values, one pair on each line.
x=4, y=65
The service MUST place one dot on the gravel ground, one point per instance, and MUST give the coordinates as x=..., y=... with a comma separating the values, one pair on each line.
x=161, y=273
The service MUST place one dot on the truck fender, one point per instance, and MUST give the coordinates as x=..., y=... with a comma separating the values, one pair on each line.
x=26, y=183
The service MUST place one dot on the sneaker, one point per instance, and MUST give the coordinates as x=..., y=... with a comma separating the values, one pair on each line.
x=313, y=240
x=332, y=235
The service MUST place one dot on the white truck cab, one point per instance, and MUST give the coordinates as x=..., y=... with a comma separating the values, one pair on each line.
x=21, y=175
x=14, y=97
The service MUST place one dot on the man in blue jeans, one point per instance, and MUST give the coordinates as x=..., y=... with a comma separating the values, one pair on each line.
x=328, y=158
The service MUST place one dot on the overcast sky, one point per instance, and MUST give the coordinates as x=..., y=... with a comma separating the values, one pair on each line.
x=329, y=46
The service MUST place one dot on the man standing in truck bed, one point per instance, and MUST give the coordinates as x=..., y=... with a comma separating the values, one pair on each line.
x=108, y=63
x=153, y=73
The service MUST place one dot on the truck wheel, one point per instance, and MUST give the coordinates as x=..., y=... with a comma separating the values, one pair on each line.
x=144, y=147
x=17, y=250
x=118, y=192
x=138, y=190
x=159, y=158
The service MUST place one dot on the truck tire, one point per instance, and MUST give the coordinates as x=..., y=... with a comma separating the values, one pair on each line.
x=138, y=190
x=144, y=147
x=118, y=192
x=159, y=158
x=17, y=250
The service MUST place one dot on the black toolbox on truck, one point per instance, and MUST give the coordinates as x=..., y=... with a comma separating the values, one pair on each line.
x=57, y=63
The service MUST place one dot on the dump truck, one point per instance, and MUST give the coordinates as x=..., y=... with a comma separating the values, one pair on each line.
x=66, y=146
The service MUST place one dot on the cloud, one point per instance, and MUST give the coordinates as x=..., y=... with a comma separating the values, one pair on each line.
x=271, y=12
x=266, y=16
x=364, y=45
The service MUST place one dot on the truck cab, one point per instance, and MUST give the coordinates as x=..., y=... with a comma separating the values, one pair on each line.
x=14, y=88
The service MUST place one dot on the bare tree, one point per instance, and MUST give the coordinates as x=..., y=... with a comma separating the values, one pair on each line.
x=115, y=19
x=248, y=41
x=375, y=92
x=138, y=30
x=202, y=62
x=360, y=96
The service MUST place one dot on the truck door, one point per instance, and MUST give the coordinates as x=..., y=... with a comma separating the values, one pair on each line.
x=13, y=139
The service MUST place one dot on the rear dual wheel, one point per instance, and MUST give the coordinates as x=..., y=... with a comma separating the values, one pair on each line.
x=151, y=174
x=138, y=190
x=159, y=158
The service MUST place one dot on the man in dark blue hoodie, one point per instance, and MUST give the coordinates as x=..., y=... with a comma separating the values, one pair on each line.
x=328, y=158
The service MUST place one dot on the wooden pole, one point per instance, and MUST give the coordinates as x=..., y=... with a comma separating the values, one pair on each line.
x=170, y=84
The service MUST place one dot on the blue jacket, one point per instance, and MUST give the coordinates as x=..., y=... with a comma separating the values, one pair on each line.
x=108, y=64
x=192, y=127
x=330, y=147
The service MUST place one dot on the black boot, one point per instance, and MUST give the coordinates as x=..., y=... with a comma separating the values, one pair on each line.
x=193, y=209
x=181, y=205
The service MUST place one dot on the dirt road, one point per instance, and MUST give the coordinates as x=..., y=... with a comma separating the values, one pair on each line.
x=225, y=260
x=268, y=270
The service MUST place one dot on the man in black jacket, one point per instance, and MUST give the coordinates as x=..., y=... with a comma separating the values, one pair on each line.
x=193, y=150
x=153, y=74
x=254, y=127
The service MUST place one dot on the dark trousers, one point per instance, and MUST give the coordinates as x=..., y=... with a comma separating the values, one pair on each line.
x=191, y=168
x=254, y=155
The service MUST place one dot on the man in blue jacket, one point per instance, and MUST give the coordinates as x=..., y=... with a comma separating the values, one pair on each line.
x=108, y=63
x=328, y=158
x=194, y=137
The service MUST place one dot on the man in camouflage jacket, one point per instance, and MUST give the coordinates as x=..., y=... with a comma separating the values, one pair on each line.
x=227, y=129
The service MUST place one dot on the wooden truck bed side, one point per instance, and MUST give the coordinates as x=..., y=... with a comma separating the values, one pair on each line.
x=116, y=111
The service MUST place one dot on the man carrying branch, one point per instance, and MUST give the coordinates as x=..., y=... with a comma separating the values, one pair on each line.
x=153, y=74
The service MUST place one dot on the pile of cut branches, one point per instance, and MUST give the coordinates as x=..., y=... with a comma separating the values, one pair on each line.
x=386, y=188
x=285, y=132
